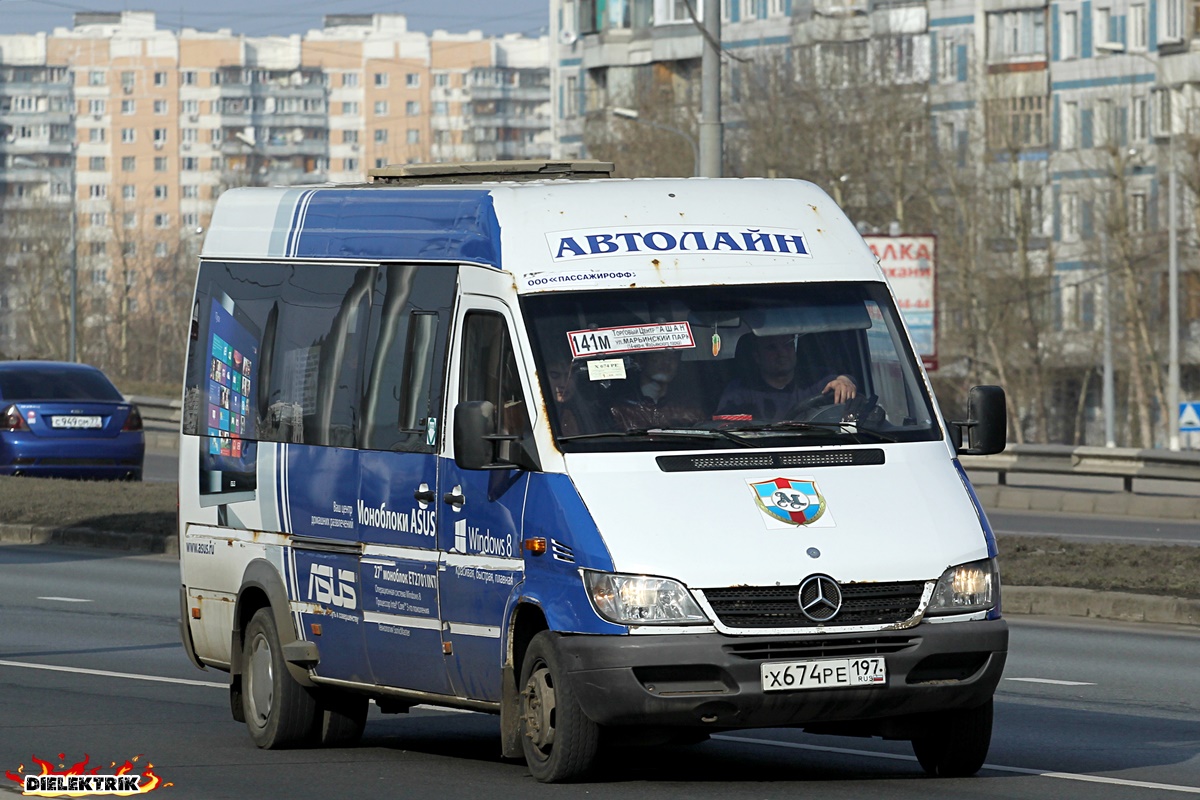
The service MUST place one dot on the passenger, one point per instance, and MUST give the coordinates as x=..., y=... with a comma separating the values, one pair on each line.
x=657, y=399
x=771, y=393
x=562, y=381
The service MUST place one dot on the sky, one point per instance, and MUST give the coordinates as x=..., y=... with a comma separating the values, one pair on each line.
x=285, y=17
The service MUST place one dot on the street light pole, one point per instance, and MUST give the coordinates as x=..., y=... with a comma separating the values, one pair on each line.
x=632, y=115
x=1172, y=409
x=711, y=130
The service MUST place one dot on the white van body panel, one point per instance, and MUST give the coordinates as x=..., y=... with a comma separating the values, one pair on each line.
x=908, y=519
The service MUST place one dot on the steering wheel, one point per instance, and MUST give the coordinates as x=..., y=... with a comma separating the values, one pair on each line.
x=818, y=408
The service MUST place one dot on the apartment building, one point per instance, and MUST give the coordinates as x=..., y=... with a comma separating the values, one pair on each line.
x=143, y=127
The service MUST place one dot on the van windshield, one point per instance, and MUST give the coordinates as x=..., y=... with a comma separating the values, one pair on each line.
x=727, y=366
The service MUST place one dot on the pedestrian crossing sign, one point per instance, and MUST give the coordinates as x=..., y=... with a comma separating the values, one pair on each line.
x=1189, y=417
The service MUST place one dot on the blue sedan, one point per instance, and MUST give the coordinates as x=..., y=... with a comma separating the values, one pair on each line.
x=61, y=420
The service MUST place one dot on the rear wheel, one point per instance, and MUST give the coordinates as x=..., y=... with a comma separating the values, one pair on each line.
x=559, y=741
x=279, y=711
x=955, y=743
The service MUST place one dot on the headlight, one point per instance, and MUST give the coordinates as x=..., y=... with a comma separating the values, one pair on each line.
x=641, y=600
x=966, y=588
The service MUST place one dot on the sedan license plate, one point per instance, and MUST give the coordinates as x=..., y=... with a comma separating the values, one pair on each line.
x=75, y=422
x=833, y=673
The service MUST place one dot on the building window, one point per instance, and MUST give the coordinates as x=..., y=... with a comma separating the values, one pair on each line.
x=1170, y=21
x=349, y=137
x=1016, y=35
x=98, y=191
x=412, y=108
x=441, y=108
x=1069, y=35
x=160, y=192
x=99, y=219
x=160, y=248
x=96, y=77
x=98, y=249
x=160, y=163
x=128, y=81
x=350, y=164
x=1139, y=119
x=162, y=220
x=128, y=106
x=128, y=135
x=350, y=79
x=1137, y=213
x=381, y=108
x=189, y=135
x=160, y=135
x=1017, y=122
x=160, y=79
x=97, y=134
x=1069, y=136
x=96, y=107
x=1103, y=134
x=189, y=106
x=189, y=191
x=96, y=163
x=128, y=163
x=1138, y=29
x=129, y=192
x=381, y=79
x=188, y=78
x=441, y=79
x=1069, y=211
x=350, y=109
x=412, y=80
x=160, y=106
x=413, y=136
x=381, y=135
x=189, y=164
x=191, y=221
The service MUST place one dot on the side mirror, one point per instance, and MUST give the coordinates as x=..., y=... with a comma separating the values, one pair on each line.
x=478, y=445
x=986, y=426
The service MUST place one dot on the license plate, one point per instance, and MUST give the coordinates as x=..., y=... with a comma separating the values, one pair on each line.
x=75, y=422
x=833, y=673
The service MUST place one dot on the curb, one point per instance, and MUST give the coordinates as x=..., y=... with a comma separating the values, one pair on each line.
x=90, y=537
x=1053, y=601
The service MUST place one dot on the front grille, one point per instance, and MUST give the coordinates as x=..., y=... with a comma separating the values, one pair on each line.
x=841, y=647
x=779, y=606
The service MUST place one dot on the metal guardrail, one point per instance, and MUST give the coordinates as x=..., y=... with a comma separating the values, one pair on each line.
x=1125, y=465
x=1162, y=467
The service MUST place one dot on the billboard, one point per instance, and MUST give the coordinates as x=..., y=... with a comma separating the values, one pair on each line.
x=910, y=264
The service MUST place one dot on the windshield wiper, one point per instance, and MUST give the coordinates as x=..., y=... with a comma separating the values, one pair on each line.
x=657, y=433
x=837, y=428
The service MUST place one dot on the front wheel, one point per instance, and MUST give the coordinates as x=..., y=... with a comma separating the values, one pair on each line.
x=279, y=711
x=559, y=740
x=955, y=743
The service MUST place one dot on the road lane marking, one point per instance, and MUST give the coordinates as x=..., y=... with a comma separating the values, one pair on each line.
x=66, y=599
x=1051, y=681
x=1066, y=776
x=106, y=674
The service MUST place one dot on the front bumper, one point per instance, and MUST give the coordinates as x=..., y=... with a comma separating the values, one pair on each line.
x=711, y=680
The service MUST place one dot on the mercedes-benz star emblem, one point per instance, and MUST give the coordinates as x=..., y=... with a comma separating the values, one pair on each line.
x=820, y=598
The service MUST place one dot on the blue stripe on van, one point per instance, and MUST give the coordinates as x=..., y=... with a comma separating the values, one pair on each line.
x=399, y=224
x=988, y=535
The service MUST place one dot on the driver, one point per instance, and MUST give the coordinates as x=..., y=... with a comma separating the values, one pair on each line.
x=772, y=393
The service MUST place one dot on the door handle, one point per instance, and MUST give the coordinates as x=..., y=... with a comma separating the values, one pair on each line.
x=424, y=494
x=454, y=498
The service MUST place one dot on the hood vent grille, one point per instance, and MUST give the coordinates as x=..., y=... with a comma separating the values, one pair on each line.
x=561, y=552
x=793, y=460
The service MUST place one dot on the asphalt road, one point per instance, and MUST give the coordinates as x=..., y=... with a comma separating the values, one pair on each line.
x=90, y=664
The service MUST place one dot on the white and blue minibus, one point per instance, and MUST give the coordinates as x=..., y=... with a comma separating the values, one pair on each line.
x=619, y=461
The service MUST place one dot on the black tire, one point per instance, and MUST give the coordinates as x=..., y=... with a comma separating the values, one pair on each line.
x=279, y=711
x=956, y=743
x=341, y=717
x=559, y=740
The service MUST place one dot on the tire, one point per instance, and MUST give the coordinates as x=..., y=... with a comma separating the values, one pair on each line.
x=559, y=741
x=341, y=718
x=279, y=711
x=956, y=743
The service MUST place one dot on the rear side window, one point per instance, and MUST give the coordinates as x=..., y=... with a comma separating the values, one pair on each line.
x=335, y=355
x=56, y=383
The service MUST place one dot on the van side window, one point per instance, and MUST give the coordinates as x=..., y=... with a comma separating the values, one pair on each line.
x=489, y=371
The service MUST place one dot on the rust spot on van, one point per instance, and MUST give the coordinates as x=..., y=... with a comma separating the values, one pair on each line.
x=656, y=263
